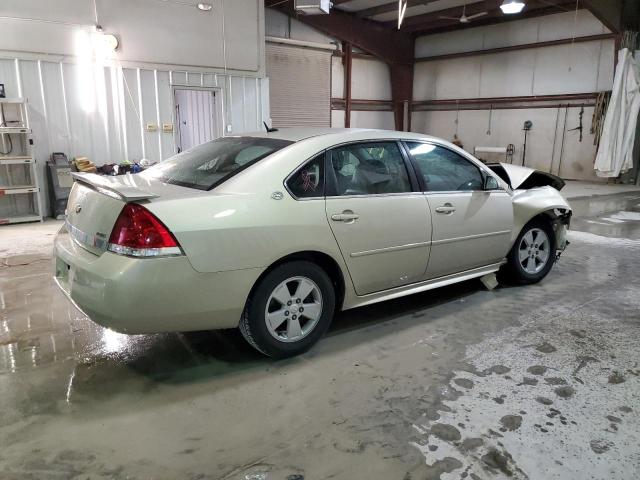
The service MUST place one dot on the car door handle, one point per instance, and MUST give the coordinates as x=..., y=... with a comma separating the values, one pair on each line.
x=446, y=208
x=346, y=216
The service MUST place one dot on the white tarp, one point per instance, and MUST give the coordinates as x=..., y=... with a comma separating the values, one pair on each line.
x=615, y=154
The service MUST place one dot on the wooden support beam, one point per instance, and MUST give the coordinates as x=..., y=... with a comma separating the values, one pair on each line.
x=347, y=63
x=540, y=101
x=401, y=92
x=388, y=44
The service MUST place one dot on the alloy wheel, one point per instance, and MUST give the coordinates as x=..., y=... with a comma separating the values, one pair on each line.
x=534, y=251
x=293, y=309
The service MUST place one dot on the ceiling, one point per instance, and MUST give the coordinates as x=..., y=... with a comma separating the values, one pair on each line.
x=426, y=16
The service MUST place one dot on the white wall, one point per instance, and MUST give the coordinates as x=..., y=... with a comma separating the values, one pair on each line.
x=86, y=105
x=583, y=67
x=545, y=150
x=520, y=32
x=100, y=112
x=151, y=31
x=370, y=78
x=562, y=69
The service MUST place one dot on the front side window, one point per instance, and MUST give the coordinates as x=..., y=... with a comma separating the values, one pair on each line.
x=369, y=169
x=444, y=170
x=308, y=181
x=208, y=165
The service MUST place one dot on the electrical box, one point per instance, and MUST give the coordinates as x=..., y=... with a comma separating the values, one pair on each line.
x=313, y=7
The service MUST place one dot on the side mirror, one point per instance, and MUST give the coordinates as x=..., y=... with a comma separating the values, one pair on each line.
x=490, y=183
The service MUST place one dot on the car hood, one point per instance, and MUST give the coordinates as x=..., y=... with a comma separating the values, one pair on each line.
x=525, y=178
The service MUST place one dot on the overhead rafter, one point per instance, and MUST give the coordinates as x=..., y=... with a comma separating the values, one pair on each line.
x=433, y=23
x=389, y=7
x=388, y=44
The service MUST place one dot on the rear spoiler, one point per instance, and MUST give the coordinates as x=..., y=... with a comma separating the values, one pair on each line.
x=121, y=187
x=524, y=178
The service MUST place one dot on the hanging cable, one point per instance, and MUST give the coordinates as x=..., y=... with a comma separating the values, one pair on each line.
x=95, y=12
x=133, y=103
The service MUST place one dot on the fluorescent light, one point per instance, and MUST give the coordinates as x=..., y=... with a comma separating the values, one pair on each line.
x=510, y=7
x=402, y=9
x=205, y=7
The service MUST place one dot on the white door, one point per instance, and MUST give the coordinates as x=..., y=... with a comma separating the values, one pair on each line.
x=471, y=226
x=196, y=117
x=381, y=223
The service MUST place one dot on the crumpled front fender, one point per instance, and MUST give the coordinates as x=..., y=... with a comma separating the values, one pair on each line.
x=528, y=204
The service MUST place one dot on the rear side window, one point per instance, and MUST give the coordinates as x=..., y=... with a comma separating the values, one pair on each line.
x=444, y=170
x=208, y=165
x=369, y=169
x=308, y=181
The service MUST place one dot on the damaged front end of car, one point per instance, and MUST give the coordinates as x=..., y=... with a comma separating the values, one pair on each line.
x=535, y=194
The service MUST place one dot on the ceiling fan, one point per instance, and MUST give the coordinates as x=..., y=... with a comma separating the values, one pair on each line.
x=464, y=18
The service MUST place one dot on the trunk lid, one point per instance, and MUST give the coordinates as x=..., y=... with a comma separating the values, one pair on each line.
x=95, y=203
x=525, y=178
x=91, y=215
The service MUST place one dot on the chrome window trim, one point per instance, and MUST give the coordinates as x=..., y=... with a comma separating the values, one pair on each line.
x=378, y=195
x=461, y=192
x=481, y=166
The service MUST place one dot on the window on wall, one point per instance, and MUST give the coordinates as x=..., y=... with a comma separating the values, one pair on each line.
x=444, y=170
x=308, y=181
x=369, y=169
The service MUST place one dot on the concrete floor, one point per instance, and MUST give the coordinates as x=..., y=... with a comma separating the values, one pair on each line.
x=537, y=382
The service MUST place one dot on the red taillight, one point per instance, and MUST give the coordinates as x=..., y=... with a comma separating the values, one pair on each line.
x=139, y=233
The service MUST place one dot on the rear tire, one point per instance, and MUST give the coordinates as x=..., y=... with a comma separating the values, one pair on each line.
x=289, y=310
x=532, y=255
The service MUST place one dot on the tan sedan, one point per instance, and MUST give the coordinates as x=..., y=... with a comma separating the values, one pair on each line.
x=275, y=232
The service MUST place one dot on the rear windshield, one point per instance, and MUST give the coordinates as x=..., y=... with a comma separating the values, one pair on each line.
x=208, y=165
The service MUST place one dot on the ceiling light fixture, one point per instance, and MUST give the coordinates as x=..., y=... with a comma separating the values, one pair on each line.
x=205, y=7
x=402, y=9
x=509, y=7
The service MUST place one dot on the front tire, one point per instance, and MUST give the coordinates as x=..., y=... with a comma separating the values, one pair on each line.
x=532, y=255
x=289, y=310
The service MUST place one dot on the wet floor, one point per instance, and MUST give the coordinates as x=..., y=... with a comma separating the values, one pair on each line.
x=538, y=382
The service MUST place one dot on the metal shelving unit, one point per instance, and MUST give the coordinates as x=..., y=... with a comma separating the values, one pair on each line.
x=19, y=185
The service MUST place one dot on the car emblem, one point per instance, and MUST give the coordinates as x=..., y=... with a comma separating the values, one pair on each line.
x=277, y=195
x=78, y=208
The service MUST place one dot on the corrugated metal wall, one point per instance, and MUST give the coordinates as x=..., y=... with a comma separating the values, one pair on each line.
x=101, y=111
x=571, y=68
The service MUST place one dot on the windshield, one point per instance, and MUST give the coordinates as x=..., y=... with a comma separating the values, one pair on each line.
x=208, y=165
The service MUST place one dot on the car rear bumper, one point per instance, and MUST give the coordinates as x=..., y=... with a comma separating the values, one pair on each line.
x=134, y=295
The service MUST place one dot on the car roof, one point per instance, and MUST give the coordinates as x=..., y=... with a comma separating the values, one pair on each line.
x=340, y=134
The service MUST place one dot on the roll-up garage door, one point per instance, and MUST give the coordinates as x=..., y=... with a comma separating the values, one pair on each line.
x=299, y=86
